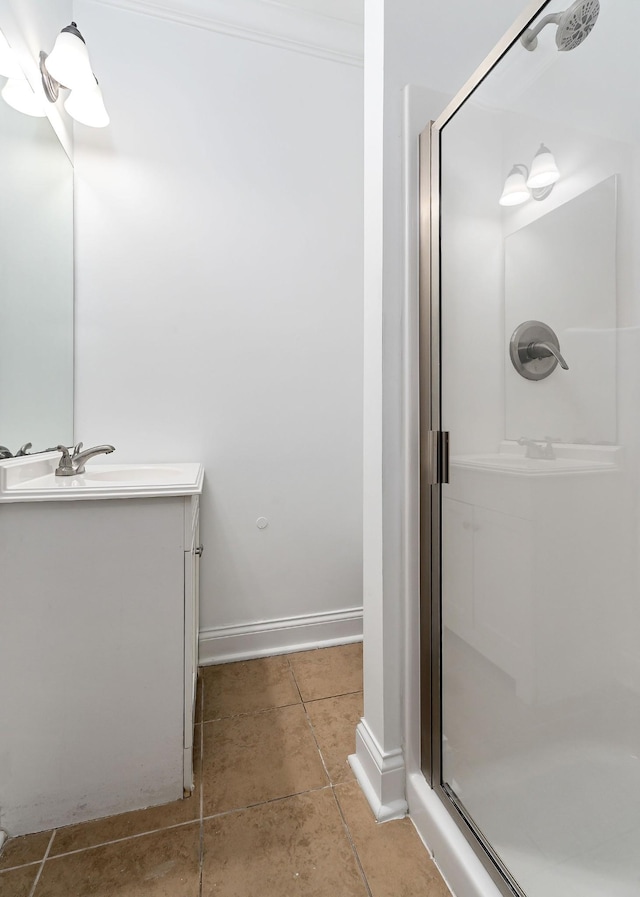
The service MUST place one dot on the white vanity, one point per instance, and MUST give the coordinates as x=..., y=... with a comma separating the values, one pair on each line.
x=532, y=575
x=98, y=641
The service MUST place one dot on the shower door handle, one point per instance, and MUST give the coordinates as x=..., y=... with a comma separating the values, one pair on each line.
x=438, y=457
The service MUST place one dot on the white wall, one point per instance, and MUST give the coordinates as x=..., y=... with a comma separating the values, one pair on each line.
x=219, y=300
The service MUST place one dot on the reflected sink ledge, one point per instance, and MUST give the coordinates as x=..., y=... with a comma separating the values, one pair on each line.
x=569, y=459
x=32, y=478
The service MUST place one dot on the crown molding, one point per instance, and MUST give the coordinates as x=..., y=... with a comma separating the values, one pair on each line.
x=278, y=24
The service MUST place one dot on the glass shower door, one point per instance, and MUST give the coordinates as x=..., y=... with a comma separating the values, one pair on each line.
x=539, y=318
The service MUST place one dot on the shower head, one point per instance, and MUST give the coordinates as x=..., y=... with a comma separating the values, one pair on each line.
x=574, y=25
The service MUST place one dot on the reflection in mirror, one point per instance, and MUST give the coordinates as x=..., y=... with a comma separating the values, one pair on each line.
x=561, y=268
x=36, y=278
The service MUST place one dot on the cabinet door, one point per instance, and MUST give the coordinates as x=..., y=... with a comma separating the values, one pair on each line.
x=501, y=586
x=191, y=630
x=457, y=567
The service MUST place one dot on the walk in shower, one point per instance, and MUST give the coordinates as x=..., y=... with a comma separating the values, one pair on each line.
x=530, y=313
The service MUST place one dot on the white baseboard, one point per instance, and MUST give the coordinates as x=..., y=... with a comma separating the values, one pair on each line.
x=380, y=775
x=461, y=869
x=228, y=643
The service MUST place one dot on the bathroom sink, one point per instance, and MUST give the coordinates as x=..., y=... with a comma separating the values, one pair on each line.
x=139, y=473
x=568, y=459
x=32, y=478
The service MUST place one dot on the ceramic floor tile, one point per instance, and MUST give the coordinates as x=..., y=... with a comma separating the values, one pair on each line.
x=164, y=864
x=258, y=757
x=394, y=859
x=124, y=825
x=327, y=672
x=288, y=847
x=26, y=849
x=247, y=686
x=18, y=882
x=334, y=722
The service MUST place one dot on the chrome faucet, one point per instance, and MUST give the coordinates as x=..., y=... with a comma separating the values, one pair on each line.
x=546, y=349
x=538, y=450
x=66, y=467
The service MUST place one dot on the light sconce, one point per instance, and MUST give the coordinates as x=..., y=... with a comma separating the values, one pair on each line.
x=9, y=65
x=17, y=92
x=68, y=67
x=523, y=184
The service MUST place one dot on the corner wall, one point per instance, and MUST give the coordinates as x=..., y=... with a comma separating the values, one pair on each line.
x=435, y=47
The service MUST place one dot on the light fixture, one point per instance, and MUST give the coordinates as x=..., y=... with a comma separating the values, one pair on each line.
x=9, y=65
x=68, y=68
x=18, y=94
x=515, y=190
x=523, y=184
x=87, y=106
x=544, y=171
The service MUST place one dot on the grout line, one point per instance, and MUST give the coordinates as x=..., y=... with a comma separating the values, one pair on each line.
x=44, y=858
x=219, y=719
x=21, y=865
x=352, y=843
x=293, y=676
x=313, y=733
x=262, y=803
x=153, y=831
x=341, y=694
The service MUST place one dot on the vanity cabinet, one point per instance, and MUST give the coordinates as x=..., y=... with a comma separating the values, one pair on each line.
x=487, y=565
x=98, y=657
x=532, y=577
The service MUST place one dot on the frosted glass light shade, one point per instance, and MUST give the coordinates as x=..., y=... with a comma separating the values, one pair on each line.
x=87, y=106
x=515, y=189
x=69, y=62
x=9, y=65
x=18, y=94
x=544, y=170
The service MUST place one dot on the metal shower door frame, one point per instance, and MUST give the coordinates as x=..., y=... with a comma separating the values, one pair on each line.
x=430, y=353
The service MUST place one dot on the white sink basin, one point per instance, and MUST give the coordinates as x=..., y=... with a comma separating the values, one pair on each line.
x=138, y=473
x=569, y=459
x=33, y=478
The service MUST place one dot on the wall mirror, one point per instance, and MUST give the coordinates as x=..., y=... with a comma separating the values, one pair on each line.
x=36, y=278
x=561, y=268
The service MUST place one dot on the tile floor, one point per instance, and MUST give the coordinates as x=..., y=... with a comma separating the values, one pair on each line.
x=276, y=810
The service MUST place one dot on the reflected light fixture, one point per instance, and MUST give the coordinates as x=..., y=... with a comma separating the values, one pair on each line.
x=68, y=67
x=18, y=94
x=523, y=184
x=9, y=65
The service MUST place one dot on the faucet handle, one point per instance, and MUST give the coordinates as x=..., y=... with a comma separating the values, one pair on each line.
x=65, y=465
x=77, y=448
